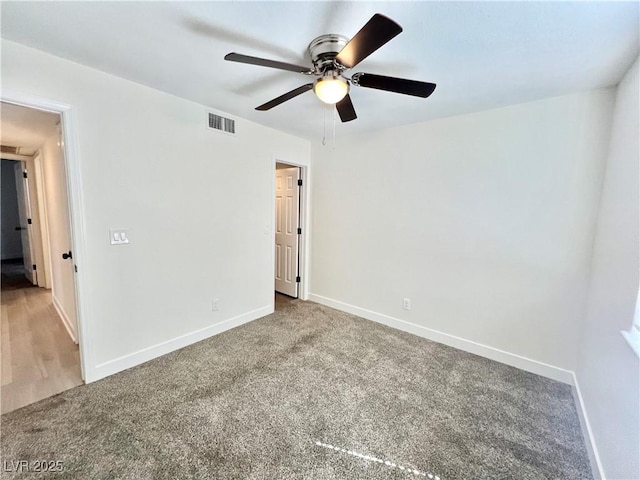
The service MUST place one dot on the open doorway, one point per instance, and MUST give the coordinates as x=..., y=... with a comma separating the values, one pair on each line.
x=40, y=351
x=289, y=231
x=17, y=270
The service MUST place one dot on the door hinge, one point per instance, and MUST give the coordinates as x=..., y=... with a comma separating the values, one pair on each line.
x=299, y=182
x=24, y=174
x=297, y=279
x=299, y=231
x=75, y=268
x=29, y=221
x=34, y=266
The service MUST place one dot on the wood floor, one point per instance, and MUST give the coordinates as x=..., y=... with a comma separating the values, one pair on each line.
x=39, y=359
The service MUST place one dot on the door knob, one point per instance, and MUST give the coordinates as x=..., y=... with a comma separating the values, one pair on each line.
x=67, y=255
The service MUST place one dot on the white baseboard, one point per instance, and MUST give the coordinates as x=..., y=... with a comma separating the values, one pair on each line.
x=141, y=356
x=65, y=319
x=592, y=450
x=523, y=363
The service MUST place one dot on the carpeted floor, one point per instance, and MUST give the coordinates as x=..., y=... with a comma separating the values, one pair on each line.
x=306, y=393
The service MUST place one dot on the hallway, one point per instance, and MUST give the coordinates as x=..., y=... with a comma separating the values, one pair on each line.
x=39, y=359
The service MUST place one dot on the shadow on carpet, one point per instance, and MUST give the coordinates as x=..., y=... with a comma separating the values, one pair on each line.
x=305, y=393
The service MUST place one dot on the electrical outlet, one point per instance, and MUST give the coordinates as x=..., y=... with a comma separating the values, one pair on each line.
x=406, y=303
x=215, y=305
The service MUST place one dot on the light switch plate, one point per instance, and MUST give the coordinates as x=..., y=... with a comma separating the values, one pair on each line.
x=119, y=237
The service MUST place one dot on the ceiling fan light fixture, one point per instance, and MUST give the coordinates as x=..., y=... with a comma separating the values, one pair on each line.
x=331, y=89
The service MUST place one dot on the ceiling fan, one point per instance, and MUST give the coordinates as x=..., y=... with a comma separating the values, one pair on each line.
x=332, y=55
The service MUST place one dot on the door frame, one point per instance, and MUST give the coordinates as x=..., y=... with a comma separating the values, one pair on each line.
x=75, y=206
x=44, y=220
x=282, y=284
x=305, y=222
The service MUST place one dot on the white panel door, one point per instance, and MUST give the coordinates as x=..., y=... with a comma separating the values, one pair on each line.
x=287, y=215
x=24, y=212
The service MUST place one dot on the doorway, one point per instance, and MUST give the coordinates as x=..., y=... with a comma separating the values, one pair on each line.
x=40, y=351
x=25, y=223
x=16, y=252
x=288, y=230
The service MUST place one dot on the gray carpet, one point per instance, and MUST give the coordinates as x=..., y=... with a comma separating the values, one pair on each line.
x=306, y=393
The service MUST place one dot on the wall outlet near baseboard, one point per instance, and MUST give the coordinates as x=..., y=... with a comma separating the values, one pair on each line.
x=215, y=304
x=406, y=303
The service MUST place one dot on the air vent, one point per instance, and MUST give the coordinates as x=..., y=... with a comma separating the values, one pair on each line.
x=8, y=149
x=222, y=124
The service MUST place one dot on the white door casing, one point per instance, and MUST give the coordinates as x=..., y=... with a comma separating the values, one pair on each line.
x=24, y=212
x=286, y=230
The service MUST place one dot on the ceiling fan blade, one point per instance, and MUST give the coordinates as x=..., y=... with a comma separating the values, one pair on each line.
x=393, y=84
x=287, y=96
x=376, y=32
x=346, y=110
x=264, y=62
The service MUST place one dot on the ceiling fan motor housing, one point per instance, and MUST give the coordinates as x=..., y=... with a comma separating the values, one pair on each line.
x=323, y=51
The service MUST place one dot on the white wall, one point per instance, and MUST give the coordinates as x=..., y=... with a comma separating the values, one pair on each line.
x=11, y=240
x=608, y=370
x=485, y=221
x=196, y=203
x=57, y=210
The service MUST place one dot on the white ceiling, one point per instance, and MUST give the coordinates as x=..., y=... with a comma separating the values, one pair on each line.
x=24, y=127
x=480, y=54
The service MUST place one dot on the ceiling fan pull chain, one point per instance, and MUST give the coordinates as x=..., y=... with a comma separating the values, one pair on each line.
x=324, y=126
x=334, y=127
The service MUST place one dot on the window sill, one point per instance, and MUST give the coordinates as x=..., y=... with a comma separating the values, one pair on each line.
x=633, y=339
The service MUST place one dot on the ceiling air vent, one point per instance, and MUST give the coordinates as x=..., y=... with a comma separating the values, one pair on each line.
x=222, y=124
x=8, y=149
